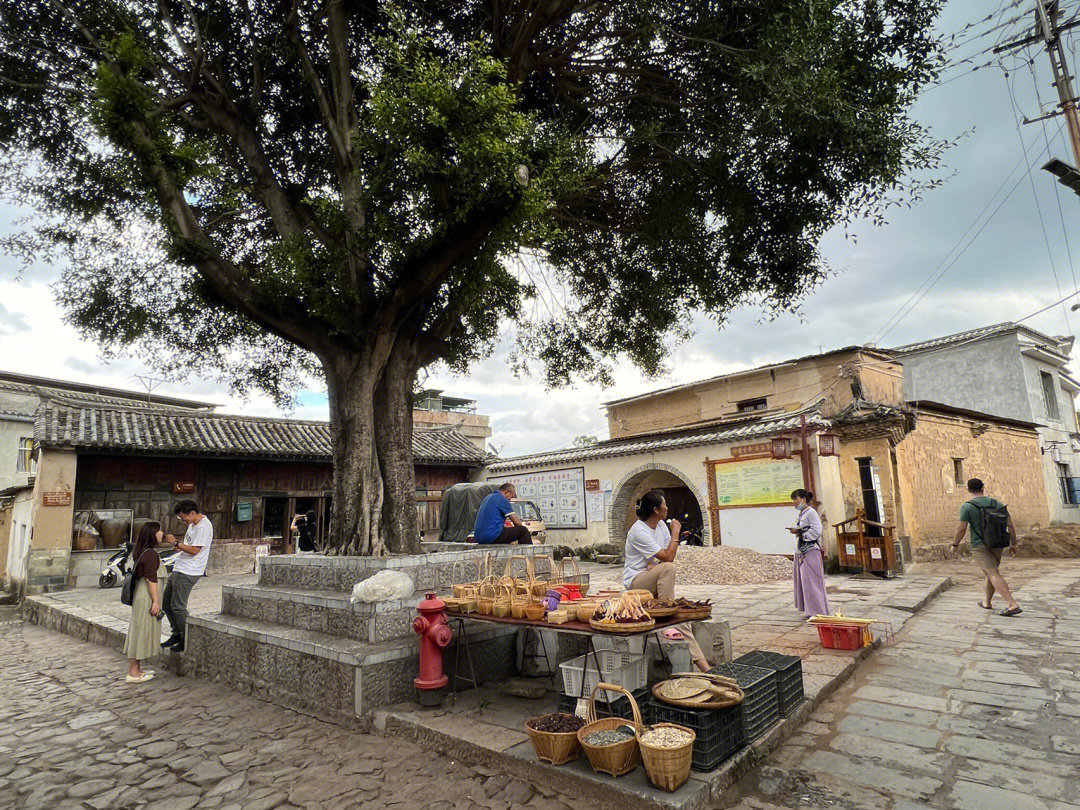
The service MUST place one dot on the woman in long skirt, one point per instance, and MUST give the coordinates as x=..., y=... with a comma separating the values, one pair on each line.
x=810, y=595
x=144, y=632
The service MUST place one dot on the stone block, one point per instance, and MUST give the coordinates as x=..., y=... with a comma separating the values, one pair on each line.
x=347, y=624
x=372, y=690
x=393, y=625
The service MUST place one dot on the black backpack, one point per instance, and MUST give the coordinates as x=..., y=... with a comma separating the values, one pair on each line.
x=995, y=524
x=127, y=590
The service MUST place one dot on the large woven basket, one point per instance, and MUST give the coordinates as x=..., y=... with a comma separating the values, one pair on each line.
x=668, y=768
x=556, y=748
x=619, y=758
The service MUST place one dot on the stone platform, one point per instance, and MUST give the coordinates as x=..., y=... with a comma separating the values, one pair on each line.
x=295, y=639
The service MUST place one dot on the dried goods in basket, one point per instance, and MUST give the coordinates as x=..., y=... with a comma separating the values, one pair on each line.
x=556, y=747
x=699, y=691
x=660, y=609
x=621, y=615
x=691, y=610
x=619, y=757
x=667, y=752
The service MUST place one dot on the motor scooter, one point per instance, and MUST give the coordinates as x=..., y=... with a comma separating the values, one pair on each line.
x=117, y=566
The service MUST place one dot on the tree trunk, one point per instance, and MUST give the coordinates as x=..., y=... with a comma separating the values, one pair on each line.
x=356, y=509
x=393, y=442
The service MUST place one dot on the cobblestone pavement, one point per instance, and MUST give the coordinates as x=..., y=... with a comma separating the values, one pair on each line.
x=966, y=710
x=74, y=735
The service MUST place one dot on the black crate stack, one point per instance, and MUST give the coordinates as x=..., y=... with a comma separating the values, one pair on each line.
x=788, y=676
x=760, y=707
x=719, y=731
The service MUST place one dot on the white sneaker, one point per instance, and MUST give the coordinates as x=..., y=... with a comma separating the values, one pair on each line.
x=146, y=676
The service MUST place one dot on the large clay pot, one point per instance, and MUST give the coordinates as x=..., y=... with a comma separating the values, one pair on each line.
x=114, y=533
x=86, y=539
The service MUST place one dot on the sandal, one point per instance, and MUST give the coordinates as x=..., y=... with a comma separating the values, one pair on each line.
x=985, y=606
x=1016, y=611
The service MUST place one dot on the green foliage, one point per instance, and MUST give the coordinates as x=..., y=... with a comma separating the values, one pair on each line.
x=243, y=190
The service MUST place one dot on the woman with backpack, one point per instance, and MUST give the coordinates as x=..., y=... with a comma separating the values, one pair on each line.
x=809, y=561
x=144, y=632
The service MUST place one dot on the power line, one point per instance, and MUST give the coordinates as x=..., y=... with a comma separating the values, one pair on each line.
x=942, y=268
x=1035, y=195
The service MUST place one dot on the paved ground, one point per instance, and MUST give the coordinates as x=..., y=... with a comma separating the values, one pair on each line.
x=74, y=735
x=966, y=710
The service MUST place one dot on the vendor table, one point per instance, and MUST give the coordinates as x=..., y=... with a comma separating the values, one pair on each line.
x=579, y=628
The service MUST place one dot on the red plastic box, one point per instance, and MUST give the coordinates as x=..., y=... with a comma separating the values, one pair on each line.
x=840, y=637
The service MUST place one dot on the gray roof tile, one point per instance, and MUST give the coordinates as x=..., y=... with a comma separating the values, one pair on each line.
x=159, y=431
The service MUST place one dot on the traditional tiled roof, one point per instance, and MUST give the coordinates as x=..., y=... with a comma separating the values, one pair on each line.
x=96, y=395
x=976, y=334
x=132, y=430
x=723, y=432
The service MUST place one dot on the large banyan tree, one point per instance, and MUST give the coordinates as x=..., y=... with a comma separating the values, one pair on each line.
x=270, y=188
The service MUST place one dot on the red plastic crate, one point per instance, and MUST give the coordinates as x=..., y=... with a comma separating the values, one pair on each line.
x=840, y=637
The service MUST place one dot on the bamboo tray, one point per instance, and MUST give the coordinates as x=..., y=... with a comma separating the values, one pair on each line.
x=622, y=627
x=661, y=612
x=691, y=703
x=690, y=615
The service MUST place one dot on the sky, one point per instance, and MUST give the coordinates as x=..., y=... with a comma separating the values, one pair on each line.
x=998, y=242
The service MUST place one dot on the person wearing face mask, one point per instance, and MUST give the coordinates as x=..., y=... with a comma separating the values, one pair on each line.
x=810, y=595
x=651, y=546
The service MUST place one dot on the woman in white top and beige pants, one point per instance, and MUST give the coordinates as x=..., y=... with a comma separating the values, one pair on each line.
x=649, y=560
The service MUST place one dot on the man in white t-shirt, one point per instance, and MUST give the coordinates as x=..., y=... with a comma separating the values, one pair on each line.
x=191, y=565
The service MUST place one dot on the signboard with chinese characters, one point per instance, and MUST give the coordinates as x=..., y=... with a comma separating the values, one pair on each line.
x=558, y=494
x=756, y=482
x=592, y=485
x=59, y=498
x=756, y=449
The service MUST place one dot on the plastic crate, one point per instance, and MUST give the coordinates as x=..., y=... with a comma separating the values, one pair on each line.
x=840, y=637
x=761, y=706
x=623, y=669
x=719, y=731
x=789, y=678
x=615, y=707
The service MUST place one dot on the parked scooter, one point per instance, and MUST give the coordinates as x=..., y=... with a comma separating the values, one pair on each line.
x=119, y=563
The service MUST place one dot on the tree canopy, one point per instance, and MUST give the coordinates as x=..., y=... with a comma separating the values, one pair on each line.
x=366, y=188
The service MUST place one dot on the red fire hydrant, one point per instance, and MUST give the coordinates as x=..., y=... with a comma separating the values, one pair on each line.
x=434, y=635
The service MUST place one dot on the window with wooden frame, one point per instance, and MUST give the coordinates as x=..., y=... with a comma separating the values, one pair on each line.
x=25, y=461
x=751, y=405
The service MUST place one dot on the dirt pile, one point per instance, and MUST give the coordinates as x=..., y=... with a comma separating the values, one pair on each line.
x=723, y=565
x=1051, y=541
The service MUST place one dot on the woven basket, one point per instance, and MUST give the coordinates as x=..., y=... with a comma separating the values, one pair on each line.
x=534, y=611
x=554, y=577
x=486, y=596
x=554, y=748
x=459, y=579
x=501, y=605
x=577, y=578
x=470, y=600
x=584, y=610
x=668, y=768
x=614, y=759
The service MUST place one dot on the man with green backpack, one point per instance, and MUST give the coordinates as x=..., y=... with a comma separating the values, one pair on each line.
x=992, y=531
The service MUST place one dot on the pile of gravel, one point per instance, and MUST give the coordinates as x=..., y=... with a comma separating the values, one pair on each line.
x=723, y=565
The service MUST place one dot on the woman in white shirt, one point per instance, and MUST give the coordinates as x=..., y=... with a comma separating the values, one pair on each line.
x=810, y=595
x=650, y=553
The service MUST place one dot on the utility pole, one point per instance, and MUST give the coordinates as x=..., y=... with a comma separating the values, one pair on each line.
x=1048, y=31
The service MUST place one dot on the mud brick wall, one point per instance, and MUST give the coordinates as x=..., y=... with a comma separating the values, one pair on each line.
x=1006, y=458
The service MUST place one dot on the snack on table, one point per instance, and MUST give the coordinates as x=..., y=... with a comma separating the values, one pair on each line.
x=626, y=609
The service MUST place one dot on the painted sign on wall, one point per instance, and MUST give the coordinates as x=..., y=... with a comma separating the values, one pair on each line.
x=559, y=494
x=757, y=482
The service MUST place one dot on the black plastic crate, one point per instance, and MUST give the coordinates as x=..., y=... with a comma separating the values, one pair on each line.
x=617, y=706
x=760, y=707
x=789, y=680
x=719, y=731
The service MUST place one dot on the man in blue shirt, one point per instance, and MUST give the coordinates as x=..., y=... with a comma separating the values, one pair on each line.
x=490, y=520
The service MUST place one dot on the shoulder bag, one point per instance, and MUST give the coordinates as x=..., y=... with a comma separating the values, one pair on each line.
x=127, y=590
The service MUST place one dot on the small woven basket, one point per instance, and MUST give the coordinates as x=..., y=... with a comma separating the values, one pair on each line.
x=668, y=768
x=556, y=748
x=614, y=759
x=577, y=578
x=534, y=611
x=501, y=605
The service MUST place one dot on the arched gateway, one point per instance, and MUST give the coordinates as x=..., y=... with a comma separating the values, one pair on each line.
x=682, y=494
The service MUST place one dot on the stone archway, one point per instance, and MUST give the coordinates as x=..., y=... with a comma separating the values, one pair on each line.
x=624, y=494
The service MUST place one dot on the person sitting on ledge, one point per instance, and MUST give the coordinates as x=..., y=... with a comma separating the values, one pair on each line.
x=650, y=561
x=490, y=520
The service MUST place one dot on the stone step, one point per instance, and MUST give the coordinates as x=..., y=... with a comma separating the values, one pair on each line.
x=336, y=679
x=322, y=610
